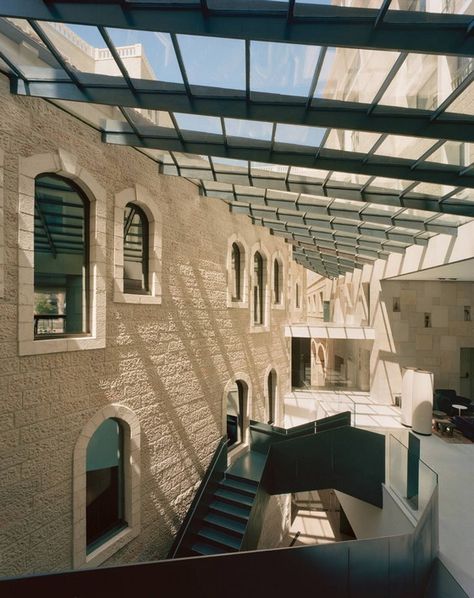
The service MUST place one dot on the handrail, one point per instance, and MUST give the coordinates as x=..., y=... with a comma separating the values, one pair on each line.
x=221, y=447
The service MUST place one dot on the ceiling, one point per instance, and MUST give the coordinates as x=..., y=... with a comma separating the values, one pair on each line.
x=345, y=127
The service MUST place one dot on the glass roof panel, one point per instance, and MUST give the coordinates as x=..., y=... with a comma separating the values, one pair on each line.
x=447, y=6
x=453, y=152
x=352, y=141
x=147, y=54
x=349, y=177
x=229, y=165
x=314, y=173
x=249, y=129
x=280, y=68
x=400, y=146
x=353, y=74
x=213, y=61
x=26, y=54
x=83, y=47
x=299, y=135
x=424, y=81
x=147, y=119
x=463, y=104
x=389, y=183
x=277, y=171
x=196, y=122
x=433, y=189
x=450, y=220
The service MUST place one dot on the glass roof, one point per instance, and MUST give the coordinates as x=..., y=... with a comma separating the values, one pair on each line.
x=379, y=139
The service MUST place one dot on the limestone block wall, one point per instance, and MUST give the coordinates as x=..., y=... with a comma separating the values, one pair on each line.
x=168, y=363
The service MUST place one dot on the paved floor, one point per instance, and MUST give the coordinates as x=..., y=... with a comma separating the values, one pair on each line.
x=302, y=406
x=454, y=464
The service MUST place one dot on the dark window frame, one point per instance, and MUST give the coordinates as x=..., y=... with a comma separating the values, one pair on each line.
x=145, y=258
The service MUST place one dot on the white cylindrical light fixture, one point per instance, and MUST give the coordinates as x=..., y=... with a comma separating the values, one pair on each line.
x=422, y=399
x=407, y=396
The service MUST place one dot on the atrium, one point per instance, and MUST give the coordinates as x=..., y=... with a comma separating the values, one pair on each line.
x=236, y=282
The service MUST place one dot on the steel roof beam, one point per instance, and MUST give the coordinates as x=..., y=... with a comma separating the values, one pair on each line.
x=296, y=155
x=267, y=107
x=310, y=24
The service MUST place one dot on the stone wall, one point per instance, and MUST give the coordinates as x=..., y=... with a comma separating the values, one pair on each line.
x=168, y=363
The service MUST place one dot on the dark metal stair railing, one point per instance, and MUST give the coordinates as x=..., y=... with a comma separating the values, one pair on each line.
x=213, y=474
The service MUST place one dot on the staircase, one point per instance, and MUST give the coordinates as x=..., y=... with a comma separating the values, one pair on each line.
x=222, y=528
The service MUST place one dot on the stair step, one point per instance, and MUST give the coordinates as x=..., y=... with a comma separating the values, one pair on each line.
x=235, y=497
x=231, y=525
x=237, y=478
x=239, y=513
x=213, y=535
x=239, y=485
x=203, y=548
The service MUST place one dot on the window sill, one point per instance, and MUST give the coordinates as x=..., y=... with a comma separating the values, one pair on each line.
x=110, y=547
x=280, y=306
x=59, y=345
x=238, y=304
x=255, y=328
x=137, y=298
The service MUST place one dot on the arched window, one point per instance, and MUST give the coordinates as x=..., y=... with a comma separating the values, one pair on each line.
x=135, y=250
x=236, y=264
x=104, y=484
x=272, y=390
x=277, y=281
x=258, y=289
x=61, y=266
x=236, y=408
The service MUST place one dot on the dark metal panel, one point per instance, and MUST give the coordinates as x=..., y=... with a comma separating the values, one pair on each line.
x=364, y=564
x=105, y=89
x=312, y=24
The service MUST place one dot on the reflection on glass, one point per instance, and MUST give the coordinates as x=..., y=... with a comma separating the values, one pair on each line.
x=280, y=68
x=213, y=61
x=351, y=141
x=353, y=74
x=437, y=6
x=389, y=183
x=400, y=146
x=135, y=250
x=433, y=189
x=453, y=152
x=83, y=47
x=147, y=54
x=26, y=54
x=61, y=262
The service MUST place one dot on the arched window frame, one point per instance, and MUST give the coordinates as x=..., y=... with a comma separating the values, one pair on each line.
x=131, y=461
x=276, y=398
x=246, y=415
x=146, y=248
x=277, y=257
x=243, y=301
x=140, y=197
x=265, y=326
x=67, y=166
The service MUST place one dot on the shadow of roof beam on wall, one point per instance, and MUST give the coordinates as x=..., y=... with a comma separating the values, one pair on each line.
x=267, y=21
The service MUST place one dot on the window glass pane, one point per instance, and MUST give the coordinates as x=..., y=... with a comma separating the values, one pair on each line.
x=60, y=241
x=353, y=75
x=104, y=479
x=135, y=250
x=234, y=416
x=453, y=152
x=280, y=68
x=147, y=54
x=214, y=61
x=30, y=52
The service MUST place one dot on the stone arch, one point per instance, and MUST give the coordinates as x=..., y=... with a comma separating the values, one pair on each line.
x=131, y=425
x=244, y=274
x=141, y=197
